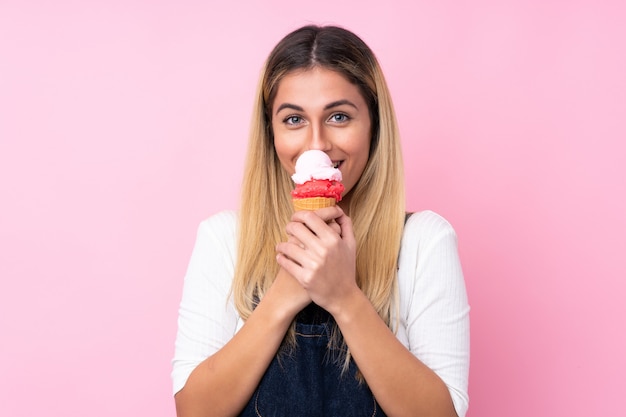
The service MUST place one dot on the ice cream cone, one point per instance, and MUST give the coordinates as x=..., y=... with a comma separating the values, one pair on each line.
x=312, y=203
x=317, y=181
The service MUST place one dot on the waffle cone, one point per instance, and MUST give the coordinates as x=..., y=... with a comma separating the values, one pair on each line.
x=312, y=203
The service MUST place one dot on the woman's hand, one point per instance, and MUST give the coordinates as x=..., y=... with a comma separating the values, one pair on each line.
x=321, y=254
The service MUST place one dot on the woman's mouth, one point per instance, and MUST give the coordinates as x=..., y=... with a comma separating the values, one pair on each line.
x=337, y=164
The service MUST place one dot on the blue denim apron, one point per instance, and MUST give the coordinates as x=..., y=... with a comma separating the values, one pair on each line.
x=307, y=381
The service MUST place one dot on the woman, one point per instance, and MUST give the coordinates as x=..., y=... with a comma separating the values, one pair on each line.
x=347, y=311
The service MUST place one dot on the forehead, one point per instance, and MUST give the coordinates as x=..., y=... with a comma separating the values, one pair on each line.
x=316, y=87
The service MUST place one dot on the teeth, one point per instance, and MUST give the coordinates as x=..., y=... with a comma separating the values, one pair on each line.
x=336, y=165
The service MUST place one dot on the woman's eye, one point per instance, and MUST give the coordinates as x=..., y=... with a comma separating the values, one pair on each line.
x=339, y=118
x=293, y=120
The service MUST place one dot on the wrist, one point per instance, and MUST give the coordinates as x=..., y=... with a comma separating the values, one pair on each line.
x=273, y=311
x=351, y=307
x=285, y=298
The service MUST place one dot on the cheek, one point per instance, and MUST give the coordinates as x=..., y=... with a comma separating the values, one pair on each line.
x=281, y=141
x=285, y=155
x=360, y=159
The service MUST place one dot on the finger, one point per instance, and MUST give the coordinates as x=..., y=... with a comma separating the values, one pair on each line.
x=329, y=213
x=288, y=265
x=321, y=223
x=295, y=241
x=326, y=214
x=335, y=227
x=347, y=231
x=299, y=231
x=312, y=235
x=294, y=253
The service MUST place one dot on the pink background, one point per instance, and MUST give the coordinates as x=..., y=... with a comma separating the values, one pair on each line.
x=123, y=124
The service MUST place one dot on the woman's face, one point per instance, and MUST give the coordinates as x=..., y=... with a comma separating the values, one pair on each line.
x=320, y=109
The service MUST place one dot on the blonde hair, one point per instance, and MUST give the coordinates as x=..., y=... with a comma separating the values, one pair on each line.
x=377, y=204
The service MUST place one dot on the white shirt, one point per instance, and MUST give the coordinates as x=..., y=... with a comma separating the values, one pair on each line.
x=434, y=312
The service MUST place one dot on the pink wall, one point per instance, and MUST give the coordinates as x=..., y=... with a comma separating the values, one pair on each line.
x=123, y=124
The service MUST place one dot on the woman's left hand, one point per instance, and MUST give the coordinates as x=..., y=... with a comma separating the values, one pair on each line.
x=321, y=254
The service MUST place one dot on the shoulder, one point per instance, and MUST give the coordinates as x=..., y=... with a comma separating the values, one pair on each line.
x=221, y=223
x=426, y=227
x=221, y=218
x=218, y=232
x=429, y=247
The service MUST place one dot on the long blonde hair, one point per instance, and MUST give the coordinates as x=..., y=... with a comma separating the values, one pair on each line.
x=377, y=204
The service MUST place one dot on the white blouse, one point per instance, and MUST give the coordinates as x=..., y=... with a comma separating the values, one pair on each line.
x=434, y=311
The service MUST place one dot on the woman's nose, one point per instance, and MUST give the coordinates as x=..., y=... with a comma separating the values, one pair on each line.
x=319, y=140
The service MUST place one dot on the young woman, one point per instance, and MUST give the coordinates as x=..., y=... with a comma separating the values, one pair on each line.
x=354, y=310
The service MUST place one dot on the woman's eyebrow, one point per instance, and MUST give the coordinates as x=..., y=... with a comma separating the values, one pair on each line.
x=288, y=106
x=340, y=103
